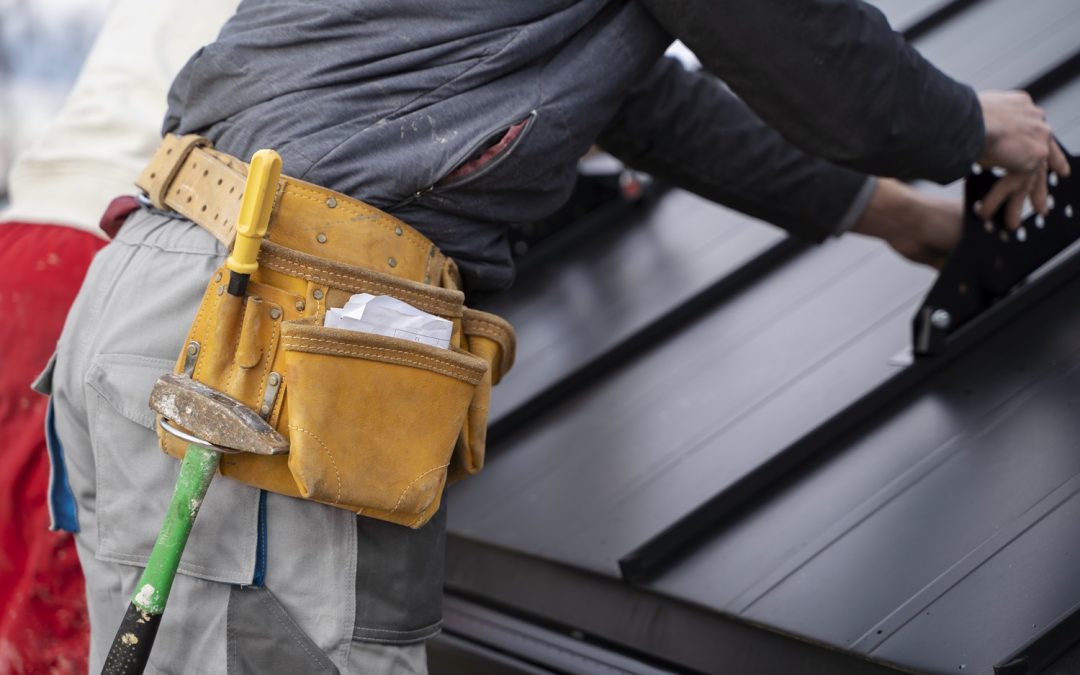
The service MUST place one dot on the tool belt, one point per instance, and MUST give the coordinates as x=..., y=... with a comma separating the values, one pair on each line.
x=375, y=424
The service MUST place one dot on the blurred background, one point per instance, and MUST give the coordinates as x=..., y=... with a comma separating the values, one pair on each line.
x=42, y=46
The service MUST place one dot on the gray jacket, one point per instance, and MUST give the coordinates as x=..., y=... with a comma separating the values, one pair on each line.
x=383, y=99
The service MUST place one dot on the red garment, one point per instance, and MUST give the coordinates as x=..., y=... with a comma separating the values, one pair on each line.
x=43, y=623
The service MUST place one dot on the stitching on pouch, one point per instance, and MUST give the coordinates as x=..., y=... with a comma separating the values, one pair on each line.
x=314, y=274
x=268, y=355
x=401, y=497
x=497, y=336
x=372, y=350
x=329, y=454
x=454, y=374
x=315, y=196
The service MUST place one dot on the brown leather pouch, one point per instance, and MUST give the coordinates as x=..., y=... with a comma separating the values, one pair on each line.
x=375, y=424
x=372, y=421
x=491, y=338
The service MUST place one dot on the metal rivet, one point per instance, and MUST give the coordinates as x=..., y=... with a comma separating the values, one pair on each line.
x=264, y=411
x=1052, y=179
x=192, y=348
x=1040, y=222
x=976, y=169
x=391, y=262
x=1068, y=211
x=1050, y=203
x=217, y=277
x=275, y=379
x=220, y=290
x=398, y=231
x=988, y=225
x=998, y=171
x=300, y=305
x=976, y=207
x=940, y=319
x=321, y=238
x=318, y=294
x=275, y=313
x=1021, y=234
x=331, y=202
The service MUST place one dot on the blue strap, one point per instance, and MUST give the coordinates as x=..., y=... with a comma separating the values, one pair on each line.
x=63, y=513
x=259, y=578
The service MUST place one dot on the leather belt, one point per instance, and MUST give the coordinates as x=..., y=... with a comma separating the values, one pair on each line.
x=188, y=176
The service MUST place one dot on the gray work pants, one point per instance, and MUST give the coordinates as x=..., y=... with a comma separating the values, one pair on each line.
x=268, y=584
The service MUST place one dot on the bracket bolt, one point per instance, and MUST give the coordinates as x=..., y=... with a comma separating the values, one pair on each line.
x=275, y=379
x=940, y=319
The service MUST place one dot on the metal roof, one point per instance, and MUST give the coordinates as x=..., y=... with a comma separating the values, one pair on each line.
x=707, y=457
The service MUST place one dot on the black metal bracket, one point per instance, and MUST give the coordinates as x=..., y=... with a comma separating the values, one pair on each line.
x=991, y=259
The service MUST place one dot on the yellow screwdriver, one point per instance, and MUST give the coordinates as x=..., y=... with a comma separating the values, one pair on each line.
x=259, y=192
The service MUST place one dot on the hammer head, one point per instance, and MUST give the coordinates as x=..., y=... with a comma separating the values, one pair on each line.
x=214, y=417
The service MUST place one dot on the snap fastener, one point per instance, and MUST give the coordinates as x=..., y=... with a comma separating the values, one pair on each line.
x=318, y=294
x=300, y=305
x=331, y=203
x=275, y=313
x=321, y=238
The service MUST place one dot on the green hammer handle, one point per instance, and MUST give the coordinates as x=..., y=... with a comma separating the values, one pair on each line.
x=131, y=647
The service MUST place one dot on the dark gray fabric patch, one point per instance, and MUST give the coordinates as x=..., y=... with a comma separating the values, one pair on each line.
x=263, y=638
x=399, y=580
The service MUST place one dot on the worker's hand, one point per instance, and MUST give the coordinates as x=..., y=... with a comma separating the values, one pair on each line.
x=1020, y=141
x=920, y=227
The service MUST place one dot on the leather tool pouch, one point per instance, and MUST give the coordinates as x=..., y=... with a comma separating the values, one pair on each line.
x=376, y=425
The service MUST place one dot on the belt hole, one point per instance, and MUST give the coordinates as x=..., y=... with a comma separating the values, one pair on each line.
x=203, y=208
x=215, y=216
x=219, y=181
x=232, y=189
x=153, y=175
x=205, y=173
x=168, y=151
x=194, y=165
x=189, y=200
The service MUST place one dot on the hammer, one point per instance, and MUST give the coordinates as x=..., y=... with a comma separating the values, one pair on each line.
x=211, y=423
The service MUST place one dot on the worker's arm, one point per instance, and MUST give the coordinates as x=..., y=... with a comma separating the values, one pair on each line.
x=688, y=129
x=837, y=81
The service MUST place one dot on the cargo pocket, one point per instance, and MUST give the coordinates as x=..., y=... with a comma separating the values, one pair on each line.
x=134, y=480
x=492, y=339
x=373, y=420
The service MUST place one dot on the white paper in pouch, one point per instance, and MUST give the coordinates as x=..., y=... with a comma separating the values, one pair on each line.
x=384, y=315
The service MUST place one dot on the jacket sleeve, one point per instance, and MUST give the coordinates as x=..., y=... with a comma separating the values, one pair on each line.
x=836, y=80
x=688, y=129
